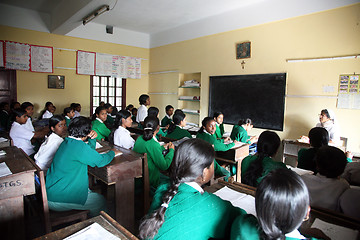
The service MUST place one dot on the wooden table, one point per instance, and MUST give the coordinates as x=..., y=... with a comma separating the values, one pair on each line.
x=103, y=220
x=121, y=171
x=13, y=188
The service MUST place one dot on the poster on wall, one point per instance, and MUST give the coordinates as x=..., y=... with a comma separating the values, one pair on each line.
x=41, y=59
x=85, y=63
x=104, y=64
x=349, y=91
x=2, y=54
x=17, y=56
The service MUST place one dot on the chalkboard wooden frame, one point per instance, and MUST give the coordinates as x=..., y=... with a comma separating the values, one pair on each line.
x=260, y=97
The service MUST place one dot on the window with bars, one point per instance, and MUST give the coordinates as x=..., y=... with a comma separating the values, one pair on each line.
x=109, y=90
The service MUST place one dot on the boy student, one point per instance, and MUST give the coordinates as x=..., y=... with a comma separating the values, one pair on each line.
x=167, y=119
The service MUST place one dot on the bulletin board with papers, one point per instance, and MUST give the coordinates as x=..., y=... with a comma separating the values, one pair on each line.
x=349, y=91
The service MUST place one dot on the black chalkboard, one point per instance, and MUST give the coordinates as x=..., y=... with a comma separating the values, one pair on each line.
x=260, y=97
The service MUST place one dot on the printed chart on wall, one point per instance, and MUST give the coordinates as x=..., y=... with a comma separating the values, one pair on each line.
x=349, y=94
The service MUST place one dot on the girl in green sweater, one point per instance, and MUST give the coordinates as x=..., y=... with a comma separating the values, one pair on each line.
x=98, y=124
x=181, y=209
x=219, y=119
x=176, y=130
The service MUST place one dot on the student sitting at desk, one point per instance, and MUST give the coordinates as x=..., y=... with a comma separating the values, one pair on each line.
x=133, y=114
x=109, y=119
x=241, y=130
x=167, y=119
x=144, y=101
x=176, y=130
x=255, y=168
x=67, y=182
x=48, y=148
x=98, y=125
x=77, y=109
x=48, y=111
x=149, y=144
x=120, y=136
x=181, y=209
x=282, y=204
x=219, y=118
x=326, y=186
x=154, y=111
x=68, y=114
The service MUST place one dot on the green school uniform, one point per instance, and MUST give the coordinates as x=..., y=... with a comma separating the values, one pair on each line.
x=156, y=160
x=246, y=227
x=67, y=178
x=101, y=129
x=178, y=133
x=160, y=133
x=110, y=120
x=268, y=165
x=306, y=159
x=239, y=133
x=133, y=118
x=219, y=131
x=67, y=120
x=165, y=121
x=195, y=215
x=218, y=144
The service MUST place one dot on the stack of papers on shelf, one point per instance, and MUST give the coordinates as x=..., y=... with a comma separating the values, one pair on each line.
x=190, y=110
x=191, y=83
x=4, y=170
x=189, y=97
x=94, y=231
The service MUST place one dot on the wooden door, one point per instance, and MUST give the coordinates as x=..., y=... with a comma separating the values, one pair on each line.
x=8, y=91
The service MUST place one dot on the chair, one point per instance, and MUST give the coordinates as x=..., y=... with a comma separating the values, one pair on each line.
x=53, y=218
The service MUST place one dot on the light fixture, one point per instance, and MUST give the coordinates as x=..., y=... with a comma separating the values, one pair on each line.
x=96, y=13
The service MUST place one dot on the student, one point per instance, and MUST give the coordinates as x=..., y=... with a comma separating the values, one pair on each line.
x=154, y=111
x=109, y=118
x=69, y=114
x=167, y=119
x=120, y=136
x=48, y=111
x=98, y=125
x=318, y=137
x=67, y=183
x=282, y=204
x=129, y=108
x=4, y=116
x=255, y=168
x=14, y=105
x=328, y=121
x=149, y=144
x=77, y=109
x=326, y=186
x=134, y=113
x=47, y=150
x=219, y=118
x=144, y=100
x=181, y=209
x=176, y=130
x=29, y=108
x=102, y=104
x=241, y=130
x=178, y=111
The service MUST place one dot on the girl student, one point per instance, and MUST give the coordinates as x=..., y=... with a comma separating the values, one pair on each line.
x=241, y=130
x=149, y=144
x=144, y=101
x=175, y=130
x=169, y=110
x=109, y=110
x=68, y=114
x=219, y=119
x=181, y=209
x=255, y=168
x=67, y=182
x=48, y=111
x=98, y=125
x=154, y=111
x=48, y=148
x=282, y=204
x=120, y=136
x=77, y=109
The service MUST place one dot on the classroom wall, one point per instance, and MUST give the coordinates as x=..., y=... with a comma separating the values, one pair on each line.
x=330, y=33
x=33, y=86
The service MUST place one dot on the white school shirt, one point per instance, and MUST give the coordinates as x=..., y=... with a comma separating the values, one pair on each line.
x=46, y=153
x=122, y=138
x=141, y=114
x=47, y=114
x=29, y=125
x=21, y=137
x=77, y=114
x=333, y=130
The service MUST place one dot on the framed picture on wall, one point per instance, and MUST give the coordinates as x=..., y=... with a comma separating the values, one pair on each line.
x=56, y=81
x=243, y=50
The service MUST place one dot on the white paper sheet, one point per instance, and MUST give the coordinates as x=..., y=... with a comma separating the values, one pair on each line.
x=98, y=145
x=299, y=171
x=335, y=231
x=4, y=170
x=92, y=232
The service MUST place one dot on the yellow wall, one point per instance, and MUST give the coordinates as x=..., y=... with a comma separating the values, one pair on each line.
x=33, y=86
x=330, y=33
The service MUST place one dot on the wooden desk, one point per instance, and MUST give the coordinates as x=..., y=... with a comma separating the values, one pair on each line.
x=103, y=220
x=121, y=171
x=12, y=189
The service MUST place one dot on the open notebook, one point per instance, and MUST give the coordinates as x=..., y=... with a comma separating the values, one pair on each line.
x=94, y=231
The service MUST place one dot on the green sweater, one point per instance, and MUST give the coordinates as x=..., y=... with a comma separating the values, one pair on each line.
x=101, y=129
x=218, y=144
x=268, y=165
x=192, y=215
x=156, y=160
x=247, y=227
x=178, y=133
x=160, y=133
x=239, y=133
x=165, y=121
x=219, y=131
x=306, y=159
x=67, y=178
x=67, y=120
x=110, y=119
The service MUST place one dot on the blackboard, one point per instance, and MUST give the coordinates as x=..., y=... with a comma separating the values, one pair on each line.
x=260, y=97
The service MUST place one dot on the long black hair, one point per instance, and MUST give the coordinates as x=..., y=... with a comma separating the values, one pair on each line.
x=318, y=137
x=123, y=114
x=245, y=121
x=282, y=203
x=55, y=119
x=267, y=146
x=97, y=112
x=191, y=157
x=47, y=104
x=151, y=124
x=177, y=118
x=204, y=122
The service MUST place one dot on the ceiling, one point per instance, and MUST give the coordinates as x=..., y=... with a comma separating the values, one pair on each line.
x=156, y=17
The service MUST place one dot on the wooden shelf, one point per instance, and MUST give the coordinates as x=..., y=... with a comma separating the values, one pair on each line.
x=192, y=113
x=189, y=100
x=189, y=87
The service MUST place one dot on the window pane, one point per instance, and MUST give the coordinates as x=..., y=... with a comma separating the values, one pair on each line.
x=104, y=81
x=103, y=91
x=96, y=81
x=94, y=109
x=104, y=99
x=111, y=91
x=118, y=82
x=111, y=100
x=95, y=101
x=96, y=91
x=118, y=92
x=118, y=101
x=111, y=82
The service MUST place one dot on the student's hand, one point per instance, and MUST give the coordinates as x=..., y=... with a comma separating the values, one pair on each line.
x=254, y=139
x=92, y=134
x=236, y=142
x=116, y=151
x=171, y=145
x=349, y=154
x=227, y=139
